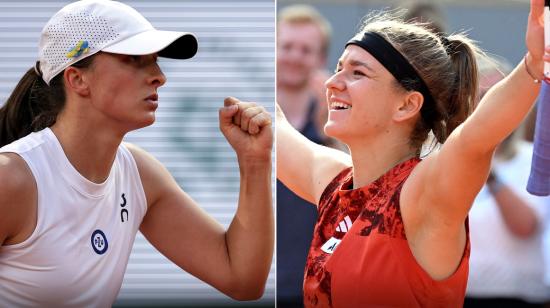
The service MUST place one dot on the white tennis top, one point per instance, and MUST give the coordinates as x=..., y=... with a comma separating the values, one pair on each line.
x=78, y=252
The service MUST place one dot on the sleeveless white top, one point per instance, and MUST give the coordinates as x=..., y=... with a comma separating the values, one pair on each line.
x=78, y=252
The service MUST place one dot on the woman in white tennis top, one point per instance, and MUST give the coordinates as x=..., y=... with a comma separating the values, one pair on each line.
x=73, y=196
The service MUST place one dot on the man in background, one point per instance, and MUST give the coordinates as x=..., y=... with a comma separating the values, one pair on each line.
x=303, y=36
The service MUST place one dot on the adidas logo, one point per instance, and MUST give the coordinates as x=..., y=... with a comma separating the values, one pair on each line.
x=330, y=245
x=344, y=225
x=333, y=242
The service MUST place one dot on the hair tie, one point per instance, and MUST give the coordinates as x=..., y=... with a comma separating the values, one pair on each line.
x=37, y=68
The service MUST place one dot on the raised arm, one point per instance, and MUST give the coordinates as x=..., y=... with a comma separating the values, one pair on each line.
x=458, y=171
x=236, y=261
x=436, y=198
x=507, y=103
x=303, y=166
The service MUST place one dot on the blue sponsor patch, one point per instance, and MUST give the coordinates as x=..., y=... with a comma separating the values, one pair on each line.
x=99, y=242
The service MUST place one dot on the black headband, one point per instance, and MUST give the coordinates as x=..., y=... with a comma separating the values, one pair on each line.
x=398, y=66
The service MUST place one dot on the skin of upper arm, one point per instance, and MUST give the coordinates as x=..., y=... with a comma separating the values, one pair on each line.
x=435, y=201
x=303, y=166
x=442, y=188
x=438, y=195
x=452, y=178
x=455, y=175
x=179, y=228
x=18, y=200
x=328, y=163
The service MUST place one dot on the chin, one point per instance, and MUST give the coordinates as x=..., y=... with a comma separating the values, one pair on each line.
x=292, y=80
x=144, y=123
x=334, y=130
x=149, y=122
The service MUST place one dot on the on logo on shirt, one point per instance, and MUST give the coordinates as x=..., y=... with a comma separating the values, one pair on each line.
x=123, y=210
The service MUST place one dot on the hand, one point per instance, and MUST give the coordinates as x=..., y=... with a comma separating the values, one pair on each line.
x=534, y=38
x=247, y=127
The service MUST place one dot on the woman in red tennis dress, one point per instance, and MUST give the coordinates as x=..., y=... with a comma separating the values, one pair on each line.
x=392, y=228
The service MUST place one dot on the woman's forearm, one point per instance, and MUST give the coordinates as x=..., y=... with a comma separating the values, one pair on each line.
x=502, y=109
x=250, y=237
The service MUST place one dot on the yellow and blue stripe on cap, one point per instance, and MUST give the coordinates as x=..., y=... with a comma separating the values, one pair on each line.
x=80, y=48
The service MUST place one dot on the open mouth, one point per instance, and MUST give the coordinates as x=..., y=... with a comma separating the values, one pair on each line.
x=339, y=106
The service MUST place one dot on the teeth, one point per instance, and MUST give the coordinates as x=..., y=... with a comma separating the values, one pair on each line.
x=337, y=105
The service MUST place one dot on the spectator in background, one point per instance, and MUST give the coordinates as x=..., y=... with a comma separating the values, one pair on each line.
x=303, y=36
x=303, y=39
x=426, y=12
x=506, y=224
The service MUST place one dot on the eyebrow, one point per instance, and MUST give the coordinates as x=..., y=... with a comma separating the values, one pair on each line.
x=357, y=63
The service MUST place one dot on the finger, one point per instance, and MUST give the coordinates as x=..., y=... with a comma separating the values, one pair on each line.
x=226, y=115
x=228, y=101
x=248, y=114
x=253, y=129
x=237, y=116
x=242, y=107
x=258, y=122
x=536, y=11
x=232, y=101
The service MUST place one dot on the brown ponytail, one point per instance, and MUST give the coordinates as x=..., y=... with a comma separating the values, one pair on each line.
x=463, y=93
x=33, y=105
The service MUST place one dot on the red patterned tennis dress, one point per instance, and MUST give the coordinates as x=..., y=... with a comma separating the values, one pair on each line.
x=359, y=256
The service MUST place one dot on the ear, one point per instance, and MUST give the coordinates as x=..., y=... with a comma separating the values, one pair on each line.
x=410, y=106
x=76, y=81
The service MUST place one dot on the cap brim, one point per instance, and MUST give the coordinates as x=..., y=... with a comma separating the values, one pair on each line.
x=168, y=44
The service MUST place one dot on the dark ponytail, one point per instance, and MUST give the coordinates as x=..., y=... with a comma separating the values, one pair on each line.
x=33, y=105
x=464, y=92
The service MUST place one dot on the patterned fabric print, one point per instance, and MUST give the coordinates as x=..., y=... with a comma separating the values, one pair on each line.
x=324, y=230
x=377, y=205
x=384, y=191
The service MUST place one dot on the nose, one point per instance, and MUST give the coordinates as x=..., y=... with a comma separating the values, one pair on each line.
x=157, y=78
x=335, y=82
x=295, y=55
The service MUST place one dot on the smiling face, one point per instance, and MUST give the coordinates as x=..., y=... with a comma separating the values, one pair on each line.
x=124, y=88
x=362, y=97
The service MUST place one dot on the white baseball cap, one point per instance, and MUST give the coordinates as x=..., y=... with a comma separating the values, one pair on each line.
x=83, y=28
